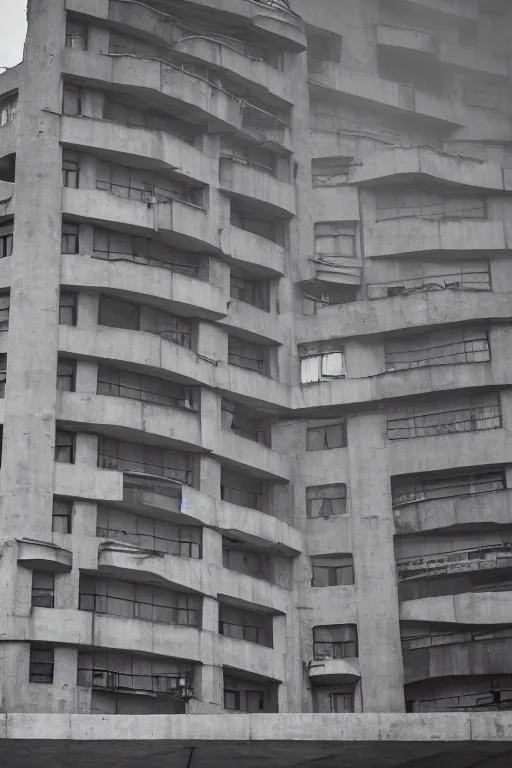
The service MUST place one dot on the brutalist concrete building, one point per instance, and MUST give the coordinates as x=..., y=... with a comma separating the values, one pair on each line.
x=256, y=315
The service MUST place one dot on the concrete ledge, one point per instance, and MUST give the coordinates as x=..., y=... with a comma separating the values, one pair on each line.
x=44, y=556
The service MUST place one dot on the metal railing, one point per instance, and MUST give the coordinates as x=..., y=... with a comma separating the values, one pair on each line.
x=477, y=559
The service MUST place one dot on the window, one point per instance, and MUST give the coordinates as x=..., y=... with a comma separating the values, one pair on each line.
x=131, y=672
x=145, y=186
x=70, y=169
x=67, y=308
x=3, y=374
x=335, y=241
x=66, y=370
x=239, y=420
x=70, y=238
x=469, y=276
x=242, y=695
x=236, y=557
x=409, y=489
x=149, y=533
x=71, y=101
x=41, y=664
x=8, y=111
x=246, y=625
x=329, y=172
x=43, y=586
x=423, y=204
x=326, y=500
x=249, y=223
x=450, y=347
x=123, y=314
x=332, y=571
x=62, y=514
x=4, y=312
x=241, y=489
x=254, y=292
x=76, y=35
x=324, y=46
x=119, y=314
x=335, y=642
x=125, y=456
x=6, y=239
x=442, y=416
x=139, y=601
x=322, y=367
x=342, y=702
x=118, y=246
x=244, y=354
x=116, y=382
x=248, y=154
x=64, y=447
x=326, y=436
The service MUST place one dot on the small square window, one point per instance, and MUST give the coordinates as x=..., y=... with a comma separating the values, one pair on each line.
x=70, y=170
x=66, y=370
x=70, y=238
x=41, y=664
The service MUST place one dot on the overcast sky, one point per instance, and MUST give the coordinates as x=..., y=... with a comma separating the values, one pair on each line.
x=12, y=31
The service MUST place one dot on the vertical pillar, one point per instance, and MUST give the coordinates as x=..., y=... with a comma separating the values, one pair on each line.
x=380, y=652
x=30, y=398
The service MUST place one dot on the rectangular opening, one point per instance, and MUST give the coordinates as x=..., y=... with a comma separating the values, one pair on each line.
x=329, y=172
x=322, y=367
x=67, y=308
x=327, y=435
x=62, y=515
x=242, y=558
x=76, y=34
x=6, y=239
x=70, y=169
x=248, y=355
x=332, y=570
x=335, y=241
x=412, y=488
x=246, y=625
x=43, y=589
x=244, y=422
x=117, y=382
x=447, y=347
x=115, y=313
x=241, y=489
x=8, y=110
x=250, y=291
x=66, y=375
x=249, y=694
x=325, y=501
x=338, y=641
x=70, y=237
x=71, y=100
x=146, y=186
x=64, y=447
x=41, y=664
x=117, y=671
x=125, y=456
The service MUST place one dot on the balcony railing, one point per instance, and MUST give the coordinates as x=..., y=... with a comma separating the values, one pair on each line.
x=477, y=559
x=162, y=486
x=432, y=641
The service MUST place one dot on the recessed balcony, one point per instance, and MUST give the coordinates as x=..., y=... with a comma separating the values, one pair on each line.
x=246, y=182
x=248, y=249
x=497, y=556
x=465, y=608
x=44, y=556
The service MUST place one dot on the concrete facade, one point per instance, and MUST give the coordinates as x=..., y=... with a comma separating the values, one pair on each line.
x=256, y=297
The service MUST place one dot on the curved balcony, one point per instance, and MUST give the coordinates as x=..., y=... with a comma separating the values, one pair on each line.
x=397, y=164
x=437, y=453
x=462, y=561
x=44, y=556
x=460, y=654
x=249, y=590
x=361, y=318
x=183, y=224
x=403, y=237
x=181, y=503
x=469, y=693
x=160, y=287
x=325, y=671
x=160, y=150
x=245, y=182
x=128, y=419
x=248, y=249
x=376, y=92
x=477, y=509
x=197, y=100
x=464, y=608
x=242, y=453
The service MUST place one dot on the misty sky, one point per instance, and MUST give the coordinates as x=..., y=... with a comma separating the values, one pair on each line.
x=12, y=31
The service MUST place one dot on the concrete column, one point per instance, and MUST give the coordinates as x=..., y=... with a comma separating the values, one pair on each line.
x=26, y=475
x=380, y=652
